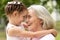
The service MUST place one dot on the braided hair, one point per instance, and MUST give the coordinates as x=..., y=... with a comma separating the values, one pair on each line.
x=14, y=6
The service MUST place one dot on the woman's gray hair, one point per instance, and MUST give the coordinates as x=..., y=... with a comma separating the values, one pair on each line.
x=42, y=13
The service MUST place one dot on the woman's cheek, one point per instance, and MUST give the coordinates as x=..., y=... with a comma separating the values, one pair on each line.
x=32, y=20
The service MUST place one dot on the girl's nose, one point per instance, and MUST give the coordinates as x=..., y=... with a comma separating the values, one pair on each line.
x=27, y=20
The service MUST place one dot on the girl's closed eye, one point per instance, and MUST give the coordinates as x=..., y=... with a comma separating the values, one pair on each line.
x=25, y=16
x=28, y=16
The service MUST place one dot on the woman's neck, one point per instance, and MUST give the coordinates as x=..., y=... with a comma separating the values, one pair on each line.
x=38, y=28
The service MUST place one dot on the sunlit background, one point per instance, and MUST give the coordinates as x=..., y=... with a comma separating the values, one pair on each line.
x=53, y=6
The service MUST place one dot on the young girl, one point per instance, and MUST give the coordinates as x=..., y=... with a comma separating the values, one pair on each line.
x=16, y=13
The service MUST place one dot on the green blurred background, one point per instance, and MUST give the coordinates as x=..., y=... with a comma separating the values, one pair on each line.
x=53, y=6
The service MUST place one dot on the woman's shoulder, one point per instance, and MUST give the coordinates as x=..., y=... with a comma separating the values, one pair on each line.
x=48, y=37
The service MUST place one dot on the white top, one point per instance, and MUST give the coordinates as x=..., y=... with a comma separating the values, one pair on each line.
x=11, y=37
x=47, y=37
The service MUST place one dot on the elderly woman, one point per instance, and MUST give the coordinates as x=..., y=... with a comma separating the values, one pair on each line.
x=39, y=19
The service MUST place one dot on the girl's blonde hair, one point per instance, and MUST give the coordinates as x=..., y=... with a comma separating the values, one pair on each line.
x=42, y=13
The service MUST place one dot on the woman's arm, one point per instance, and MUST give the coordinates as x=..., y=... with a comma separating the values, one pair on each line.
x=45, y=32
x=15, y=31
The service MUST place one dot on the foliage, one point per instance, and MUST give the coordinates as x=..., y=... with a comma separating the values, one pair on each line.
x=27, y=3
x=30, y=2
x=58, y=5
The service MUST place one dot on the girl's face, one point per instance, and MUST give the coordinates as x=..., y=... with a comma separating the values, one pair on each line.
x=32, y=20
x=19, y=17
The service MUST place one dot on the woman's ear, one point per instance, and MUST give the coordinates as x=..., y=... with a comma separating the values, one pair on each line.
x=41, y=21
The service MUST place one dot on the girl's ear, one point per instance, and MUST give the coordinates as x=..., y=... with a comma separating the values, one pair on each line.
x=15, y=13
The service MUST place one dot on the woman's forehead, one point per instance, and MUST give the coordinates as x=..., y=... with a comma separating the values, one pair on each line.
x=31, y=12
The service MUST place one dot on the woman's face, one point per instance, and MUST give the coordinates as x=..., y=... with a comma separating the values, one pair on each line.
x=32, y=20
